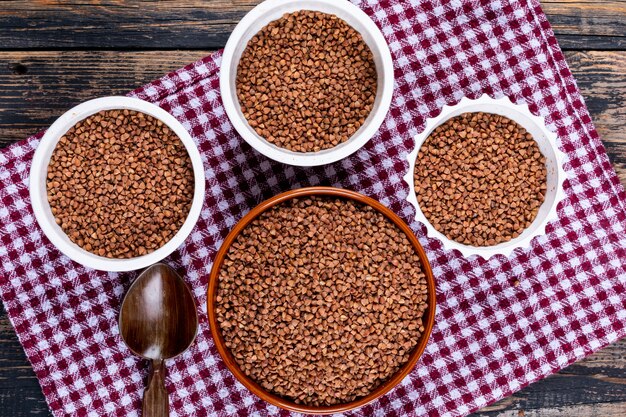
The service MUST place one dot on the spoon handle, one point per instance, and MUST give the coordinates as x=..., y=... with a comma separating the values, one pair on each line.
x=155, y=398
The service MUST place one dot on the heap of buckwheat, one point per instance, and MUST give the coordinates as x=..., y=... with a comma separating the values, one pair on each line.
x=120, y=183
x=321, y=300
x=480, y=179
x=307, y=81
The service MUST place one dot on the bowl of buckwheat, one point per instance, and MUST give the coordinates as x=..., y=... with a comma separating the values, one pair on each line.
x=116, y=184
x=486, y=176
x=306, y=83
x=321, y=300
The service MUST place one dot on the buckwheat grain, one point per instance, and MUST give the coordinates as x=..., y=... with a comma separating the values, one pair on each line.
x=321, y=300
x=120, y=184
x=480, y=179
x=307, y=81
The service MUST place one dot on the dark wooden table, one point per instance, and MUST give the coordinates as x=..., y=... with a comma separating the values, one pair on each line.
x=54, y=55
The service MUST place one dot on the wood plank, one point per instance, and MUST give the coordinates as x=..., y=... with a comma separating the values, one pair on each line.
x=38, y=87
x=94, y=24
x=595, y=386
x=601, y=77
x=587, y=25
x=20, y=394
x=616, y=409
x=197, y=24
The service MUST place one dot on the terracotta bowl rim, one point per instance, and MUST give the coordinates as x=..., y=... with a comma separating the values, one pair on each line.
x=284, y=403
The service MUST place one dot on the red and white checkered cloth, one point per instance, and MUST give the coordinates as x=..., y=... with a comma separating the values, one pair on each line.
x=491, y=337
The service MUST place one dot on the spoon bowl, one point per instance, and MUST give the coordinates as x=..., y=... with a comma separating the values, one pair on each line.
x=158, y=321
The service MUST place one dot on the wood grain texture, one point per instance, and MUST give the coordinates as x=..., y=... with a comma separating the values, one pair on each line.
x=155, y=396
x=590, y=24
x=36, y=88
x=593, y=387
x=158, y=320
x=158, y=317
x=197, y=24
x=87, y=54
x=119, y=24
x=20, y=393
x=601, y=77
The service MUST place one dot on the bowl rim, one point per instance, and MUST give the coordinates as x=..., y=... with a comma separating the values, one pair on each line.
x=307, y=159
x=255, y=387
x=38, y=192
x=502, y=104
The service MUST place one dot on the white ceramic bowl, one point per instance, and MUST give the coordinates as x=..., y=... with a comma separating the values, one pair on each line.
x=271, y=10
x=39, y=195
x=547, y=142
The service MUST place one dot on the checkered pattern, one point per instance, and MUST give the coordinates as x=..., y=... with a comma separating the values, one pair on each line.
x=501, y=324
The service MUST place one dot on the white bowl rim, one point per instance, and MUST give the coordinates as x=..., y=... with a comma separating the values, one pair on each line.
x=327, y=156
x=39, y=198
x=505, y=248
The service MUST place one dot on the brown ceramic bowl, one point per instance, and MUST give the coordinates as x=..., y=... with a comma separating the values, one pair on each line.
x=274, y=399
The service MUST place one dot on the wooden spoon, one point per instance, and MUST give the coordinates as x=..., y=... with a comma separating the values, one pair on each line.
x=158, y=321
